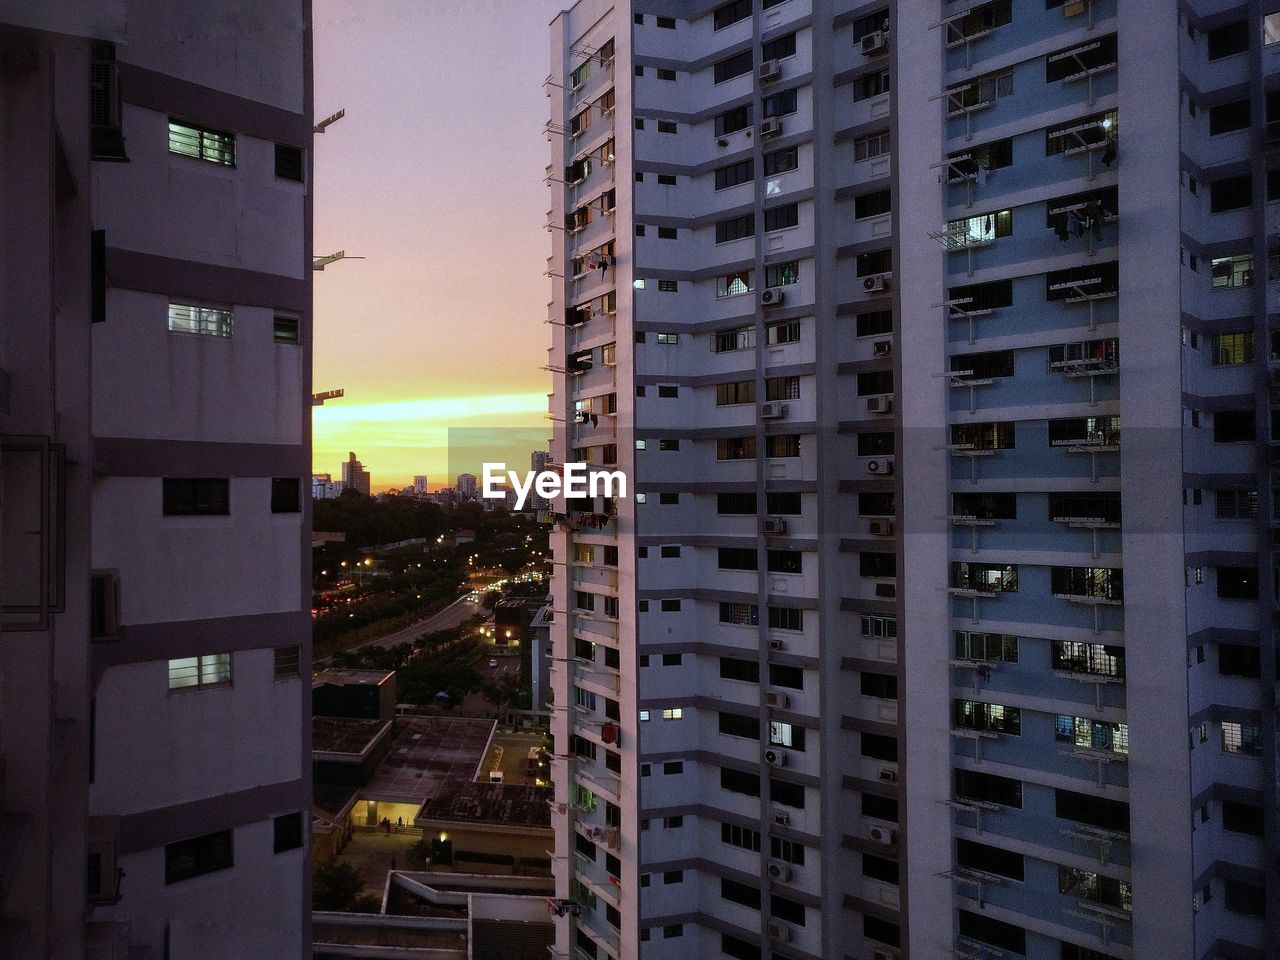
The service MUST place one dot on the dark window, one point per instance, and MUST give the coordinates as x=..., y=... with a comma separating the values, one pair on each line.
x=1099, y=53
x=984, y=436
x=288, y=162
x=732, y=668
x=1230, y=193
x=1239, y=660
x=670, y=606
x=880, y=808
x=736, y=503
x=1095, y=811
x=731, y=946
x=284, y=329
x=993, y=156
x=1234, y=426
x=784, y=561
x=1226, y=117
x=736, y=228
x=288, y=832
x=875, y=444
x=881, y=685
x=667, y=126
x=196, y=497
x=285, y=495
x=1246, y=898
x=875, y=324
x=882, y=931
x=986, y=929
x=983, y=296
x=1085, y=506
x=982, y=366
x=876, y=504
x=988, y=788
x=742, y=893
x=872, y=204
x=736, y=725
x=780, y=161
x=1229, y=40
x=870, y=85
x=779, y=48
x=1242, y=818
x=731, y=13
x=288, y=662
x=879, y=747
x=736, y=781
x=785, y=909
x=737, y=558
x=986, y=506
x=193, y=858
x=734, y=66
x=980, y=856
x=733, y=120
x=735, y=173
x=786, y=618
x=783, y=676
x=779, y=218
x=872, y=22
x=872, y=262
x=786, y=504
x=787, y=794
x=1075, y=282
x=1238, y=583
x=666, y=23
x=877, y=564
x=779, y=105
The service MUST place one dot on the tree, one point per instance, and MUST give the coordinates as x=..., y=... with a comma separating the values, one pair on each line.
x=335, y=886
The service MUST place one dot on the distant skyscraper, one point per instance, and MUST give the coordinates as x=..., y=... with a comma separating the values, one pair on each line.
x=354, y=475
x=155, y=437
x=466, y=486
x=538, y=461
x=323, y=487
x=420, y=485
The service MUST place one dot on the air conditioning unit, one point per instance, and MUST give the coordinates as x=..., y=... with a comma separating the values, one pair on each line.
x=888, y=775
x=772, y=296
x=882, y=348
x=880, y=465
x=882, y=527
x=874, y=43
x=779, y=931
x=781, y=816
x=770, y=70
x=777, y=645
x=774, y=526
x=775, y=758
x=779, y=870
x=773, y=410
x=770, y=127
x=877, y=283
x=883, y=835
x=779, y=700
x=881, y=404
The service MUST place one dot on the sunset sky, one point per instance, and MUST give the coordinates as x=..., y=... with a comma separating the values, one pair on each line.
x=435, y=175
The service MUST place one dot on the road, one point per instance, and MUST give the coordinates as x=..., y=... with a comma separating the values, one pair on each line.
x=451, y=616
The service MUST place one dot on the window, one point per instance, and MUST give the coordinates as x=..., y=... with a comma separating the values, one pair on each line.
x=731, y=13
x=731, y=121
x=742, y=893
x=669, y=444
x=1242, y=818
x=980, y=229
x=667, y=126
x=673, y=768
x=877, y=564
x=1100, y=583
x=875, y=324
x=736, y=725
x=203, y=144
x=1246, y=898
x=735, y=173
x=733, y=285
x=872, y=204
x=742, y=504
x=198, y=856
x=872, y=145
x=780, y=161
x=285, y=496
x=988, y=788
x=1227, y=41
x=779, y=48
x=1087, y=885
x=732, y=668
x=974, y=715
x=1236, y=504
x=873, y=262
x=1238, y=583
x=871, y=84
x=1096, y=659
x=1230, y=193
x=743, y=837
x=983, y=296
x=878, y=747
x=788, y=794
x=883, y=686
x=983, y=436
x=783, y=503
x=780, y=274
x=1231, y=348
x=1229, y=272
x=736, y=228
x=212, y=670
x=185, y=497
x=736, y=448
x=666, y=23
x=992, y=156
x=880, y=808
x=739, y=338
x=1092, y=810
x=1074, y=61
x=735, y=781
x=982, y=856
x=982, y=366
x=209, y=321
x=871, y=23
x=985, y=506
x=979, y=92
x=288, y=832
x=670, y=606
x=289, y=162
x=734, y=66
x=1093, y=734
x=986, y=646
x=997, y=933
x=1239, y=660
x=985, y=577
x=1075, y=283
x=785, y=332
x=1228, y=117
x=739, y=391
x=737, y=558
x=673, y=713
x=1074, y=431
x=792, y=851
x=739, y=614
x=1234, y=426
x=1086, y=354
x=880, y=868
x=785, y=618
x=786, y=735
x=668, y=338
x=1078, y=134
x=1241, y=738
x=288, y=662
x=882, y=931
x=667, y=233
x=284, y=329
x=779, y=105
x=782, y=445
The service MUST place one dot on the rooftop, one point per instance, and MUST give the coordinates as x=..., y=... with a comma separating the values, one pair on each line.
x=386, y=932
x=511, y=939
x=341, y=677
x=426, y=753
x=474, y=801
x=344, y=734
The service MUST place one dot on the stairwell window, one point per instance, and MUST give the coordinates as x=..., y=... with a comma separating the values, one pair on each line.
x=193, y=673
x=1241, y=738
x=284, y=329
x=202, y=143
x=1229, y=349
x=198, y=856
x=195, y=496
x=206, y=321
x=1232, y=272
x=289, y=163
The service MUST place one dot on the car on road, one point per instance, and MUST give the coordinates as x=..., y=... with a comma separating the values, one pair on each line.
x=493, y=663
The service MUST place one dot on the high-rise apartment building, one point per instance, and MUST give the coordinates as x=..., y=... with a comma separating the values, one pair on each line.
x=466, y=486
x=155, y=421
x=850, y=674
x=355, y=476
x=420, y=485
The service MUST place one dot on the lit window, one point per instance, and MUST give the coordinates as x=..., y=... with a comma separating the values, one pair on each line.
x=202, y=144
x=187, y=318
x=644, y=715
x=1232, y=348
x=213, y=670
x=1271, y=28
x=1241, y=738
x=733, y=284
x=1230, y=272
x=673, y=713
x=669, y=338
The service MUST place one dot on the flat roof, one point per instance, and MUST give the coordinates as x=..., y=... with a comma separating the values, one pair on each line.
x=473, y=801
x=341, y=677
x=425, y=754
x=386, y=932
x=511, y=939
x=346, y=735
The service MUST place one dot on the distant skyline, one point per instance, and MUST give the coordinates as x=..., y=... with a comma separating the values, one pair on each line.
x=435, y=176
